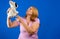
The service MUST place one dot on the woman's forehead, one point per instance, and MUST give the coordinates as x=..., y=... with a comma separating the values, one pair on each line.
x=29, y=9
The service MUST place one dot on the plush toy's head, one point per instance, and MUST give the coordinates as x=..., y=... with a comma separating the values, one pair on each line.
x=13, y=4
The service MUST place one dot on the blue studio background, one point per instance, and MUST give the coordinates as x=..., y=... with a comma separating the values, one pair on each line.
x=49, y=15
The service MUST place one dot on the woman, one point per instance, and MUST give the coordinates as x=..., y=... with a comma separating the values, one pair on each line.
x=28, y=25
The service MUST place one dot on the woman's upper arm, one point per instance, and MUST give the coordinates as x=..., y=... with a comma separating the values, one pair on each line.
x=35, y=25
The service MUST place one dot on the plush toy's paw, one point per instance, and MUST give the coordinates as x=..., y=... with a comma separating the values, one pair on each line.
x=14, y=14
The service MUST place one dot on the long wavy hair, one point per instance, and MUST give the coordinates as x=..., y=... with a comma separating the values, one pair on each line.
x=34, y=12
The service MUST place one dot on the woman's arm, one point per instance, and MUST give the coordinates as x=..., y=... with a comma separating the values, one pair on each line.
x=11, y=24
x=32, y=29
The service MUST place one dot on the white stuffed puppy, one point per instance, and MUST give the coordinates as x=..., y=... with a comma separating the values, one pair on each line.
x=11, y=12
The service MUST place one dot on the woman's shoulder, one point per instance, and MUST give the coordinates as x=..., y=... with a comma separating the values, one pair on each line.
x=37, y=20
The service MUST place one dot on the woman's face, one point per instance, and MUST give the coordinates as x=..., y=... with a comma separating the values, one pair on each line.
x=29, y=12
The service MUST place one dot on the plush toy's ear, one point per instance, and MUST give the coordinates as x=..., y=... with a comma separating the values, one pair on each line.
x=16, y=5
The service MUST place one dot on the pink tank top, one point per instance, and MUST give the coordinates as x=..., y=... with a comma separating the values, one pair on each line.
x=24, y=34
